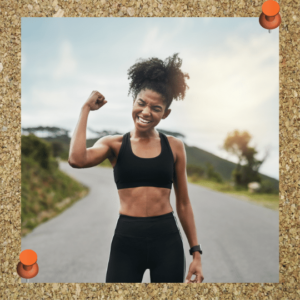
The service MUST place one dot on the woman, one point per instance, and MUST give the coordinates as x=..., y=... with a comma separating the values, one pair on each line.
x=146, y=163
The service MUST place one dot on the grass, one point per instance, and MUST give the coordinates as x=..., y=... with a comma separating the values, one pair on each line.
x=45, y=194
x=106, y=163
x=267, y=200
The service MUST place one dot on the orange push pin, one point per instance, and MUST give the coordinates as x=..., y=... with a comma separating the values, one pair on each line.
x=270, y=17
x=27, y=267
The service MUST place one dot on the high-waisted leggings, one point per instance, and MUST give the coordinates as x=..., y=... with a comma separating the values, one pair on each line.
x=141, y=243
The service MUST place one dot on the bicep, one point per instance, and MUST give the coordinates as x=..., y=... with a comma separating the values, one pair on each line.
x=98, y=153
x=180, y=176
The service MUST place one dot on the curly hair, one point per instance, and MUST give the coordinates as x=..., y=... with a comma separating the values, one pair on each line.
x=163, y=77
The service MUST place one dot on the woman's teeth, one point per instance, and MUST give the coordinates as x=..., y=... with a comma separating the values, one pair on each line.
x=143, y=121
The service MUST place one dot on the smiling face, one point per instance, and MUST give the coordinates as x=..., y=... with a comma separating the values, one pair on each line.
x=148, y=109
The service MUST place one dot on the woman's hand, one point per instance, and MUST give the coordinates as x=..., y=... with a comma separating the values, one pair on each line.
x=195, y=268
x=95, y=100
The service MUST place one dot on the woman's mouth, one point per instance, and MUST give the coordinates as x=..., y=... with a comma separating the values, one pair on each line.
x=142, y=121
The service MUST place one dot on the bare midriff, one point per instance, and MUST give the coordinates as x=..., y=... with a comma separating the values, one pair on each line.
x=145, y=201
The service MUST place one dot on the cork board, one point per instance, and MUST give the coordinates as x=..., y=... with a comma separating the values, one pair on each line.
x=10, y=163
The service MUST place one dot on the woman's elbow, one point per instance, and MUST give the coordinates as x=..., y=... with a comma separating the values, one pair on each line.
x=74, y=164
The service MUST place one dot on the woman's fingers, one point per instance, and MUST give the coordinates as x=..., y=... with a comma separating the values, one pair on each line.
x=196, y=279
x=188, y=277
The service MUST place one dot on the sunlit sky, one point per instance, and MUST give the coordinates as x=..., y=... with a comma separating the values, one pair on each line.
x=233, y=64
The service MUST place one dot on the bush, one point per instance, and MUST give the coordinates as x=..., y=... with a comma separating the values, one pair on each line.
x=212, y=174
x=64, y=155
x=194, y=177
x=39, y=150
x=191, y=170
x=267, y=187
x=57, y=148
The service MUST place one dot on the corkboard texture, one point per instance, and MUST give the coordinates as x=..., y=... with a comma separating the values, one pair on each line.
x=10, y=141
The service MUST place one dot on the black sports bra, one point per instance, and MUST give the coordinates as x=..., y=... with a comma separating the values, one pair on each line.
x=133, y=171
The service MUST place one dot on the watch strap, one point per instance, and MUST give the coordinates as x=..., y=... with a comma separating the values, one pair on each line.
x=196, y=248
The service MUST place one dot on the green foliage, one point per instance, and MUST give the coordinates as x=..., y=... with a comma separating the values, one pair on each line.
x=243, y=175
x=237, y=144
x=267, y=187
x=59, y=150
x=43, y=185
x=106, y=163
x=64, y=155
x=212, y=174
x=38, y=149
x=196, y=172
x=191, y=170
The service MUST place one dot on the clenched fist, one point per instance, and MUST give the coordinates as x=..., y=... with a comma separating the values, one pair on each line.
x=95, y=100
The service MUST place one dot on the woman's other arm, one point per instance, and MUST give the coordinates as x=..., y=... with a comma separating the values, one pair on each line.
x=184, y=209
x=79, y=156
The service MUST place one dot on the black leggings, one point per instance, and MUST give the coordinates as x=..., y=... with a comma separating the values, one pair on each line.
x=141, y=243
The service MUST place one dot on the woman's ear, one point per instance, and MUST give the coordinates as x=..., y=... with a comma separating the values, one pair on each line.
x=166, y=113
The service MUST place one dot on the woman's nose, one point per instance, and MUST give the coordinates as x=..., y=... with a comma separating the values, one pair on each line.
x=146, y=111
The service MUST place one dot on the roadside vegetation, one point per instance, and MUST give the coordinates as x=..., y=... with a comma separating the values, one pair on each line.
x=266, y=199
x=46, y=191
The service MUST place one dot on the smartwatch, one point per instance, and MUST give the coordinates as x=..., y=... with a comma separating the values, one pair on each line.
x=196, y=248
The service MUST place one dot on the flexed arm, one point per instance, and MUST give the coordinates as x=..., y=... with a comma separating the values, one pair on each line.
x=79, y=156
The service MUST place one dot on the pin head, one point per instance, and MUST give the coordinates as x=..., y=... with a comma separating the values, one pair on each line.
x=270, y=8
x=28, y=257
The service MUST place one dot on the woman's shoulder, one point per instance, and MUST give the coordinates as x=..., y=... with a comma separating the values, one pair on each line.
x=115, y=139
x=176, y=142
x=111, y=140
x=114, y=142
x=177, y=146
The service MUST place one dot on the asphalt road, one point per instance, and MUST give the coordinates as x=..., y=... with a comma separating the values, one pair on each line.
x=239, y=239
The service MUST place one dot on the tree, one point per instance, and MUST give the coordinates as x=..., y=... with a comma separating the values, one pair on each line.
x=57, y=148
x=248, y=165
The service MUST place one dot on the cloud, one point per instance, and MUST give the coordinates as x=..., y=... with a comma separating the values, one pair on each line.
x=23, y=61
x=157, y=38
x=67, y=63
x=233, y=80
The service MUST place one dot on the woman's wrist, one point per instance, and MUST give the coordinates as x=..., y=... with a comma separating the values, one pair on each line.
x=86, y=107
x=196, y=255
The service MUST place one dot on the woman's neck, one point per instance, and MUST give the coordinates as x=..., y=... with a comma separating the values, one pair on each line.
x=144, y=134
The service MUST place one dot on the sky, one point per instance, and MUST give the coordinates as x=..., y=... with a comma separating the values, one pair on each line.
x=233, y=64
